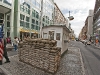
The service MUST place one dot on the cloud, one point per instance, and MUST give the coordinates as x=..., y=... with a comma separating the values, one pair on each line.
x=79, y=9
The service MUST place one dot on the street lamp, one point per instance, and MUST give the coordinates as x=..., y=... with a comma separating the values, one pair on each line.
x=41, y=13
x=70, y=17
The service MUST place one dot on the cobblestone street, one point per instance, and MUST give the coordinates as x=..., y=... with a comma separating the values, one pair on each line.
x=71, y=64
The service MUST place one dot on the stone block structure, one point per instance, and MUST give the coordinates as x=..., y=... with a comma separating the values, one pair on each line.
x=40, y=53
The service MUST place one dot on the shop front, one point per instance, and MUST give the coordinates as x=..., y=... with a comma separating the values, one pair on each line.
x=25, y=33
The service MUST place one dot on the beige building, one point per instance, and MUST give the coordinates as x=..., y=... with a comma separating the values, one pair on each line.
x=83, y=33
x=90, y=24
x=59, y=17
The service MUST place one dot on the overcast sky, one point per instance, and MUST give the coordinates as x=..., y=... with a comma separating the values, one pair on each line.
x=79, y=9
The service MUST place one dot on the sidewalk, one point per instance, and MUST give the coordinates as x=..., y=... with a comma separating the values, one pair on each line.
x=96, y=46
x=71, y=64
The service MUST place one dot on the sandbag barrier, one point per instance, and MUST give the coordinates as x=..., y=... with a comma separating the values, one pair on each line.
x=40, y=53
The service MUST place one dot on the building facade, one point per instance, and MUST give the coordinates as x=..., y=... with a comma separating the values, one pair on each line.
x=90, y=25
x=7, y=15
x=59, y=17
x=84, y=30
x=23, y=18
x=96, y=20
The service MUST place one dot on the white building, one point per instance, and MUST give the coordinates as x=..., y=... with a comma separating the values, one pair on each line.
x=60, y=33
x=90, y=24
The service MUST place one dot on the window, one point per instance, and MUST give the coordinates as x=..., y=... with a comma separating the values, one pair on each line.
x=43, y=19
x=22, y=8
x=45, y=36
x=27, y=19
x=36, y=27
x=32, y=26
x=8, y=17
x=21, y=23
x=33, y=13
x=27, y=25
x=9, y=2
x=57, y=36
x=8, y=24
x=51, y=35
x=34, y=2
x=8, y=33
x=22, y=17
x=33, y=21
x=37, y=23
x=42, y=25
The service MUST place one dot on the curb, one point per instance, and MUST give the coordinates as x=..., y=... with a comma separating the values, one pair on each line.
x=83, y=69
x=5, y=71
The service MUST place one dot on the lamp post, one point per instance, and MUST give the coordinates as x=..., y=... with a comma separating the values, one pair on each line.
x=41, y=13
x=70, y=18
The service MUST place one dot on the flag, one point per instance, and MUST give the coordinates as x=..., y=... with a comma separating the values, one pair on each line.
x=1, y=49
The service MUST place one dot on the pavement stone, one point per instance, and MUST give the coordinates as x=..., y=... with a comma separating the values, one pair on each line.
x=70, y=64
x=2, y=72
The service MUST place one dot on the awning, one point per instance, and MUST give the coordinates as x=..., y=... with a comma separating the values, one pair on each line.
x=27, y=30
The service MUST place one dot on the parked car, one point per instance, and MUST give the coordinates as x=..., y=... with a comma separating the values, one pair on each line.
x=88, y=43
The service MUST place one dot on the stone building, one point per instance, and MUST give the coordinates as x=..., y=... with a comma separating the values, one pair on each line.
x=83, y=33
x=59, y=17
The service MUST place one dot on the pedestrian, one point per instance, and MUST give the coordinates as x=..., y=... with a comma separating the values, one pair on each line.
x=16, y=41
x=97, y=42
x=3, y=43
x=5, y=51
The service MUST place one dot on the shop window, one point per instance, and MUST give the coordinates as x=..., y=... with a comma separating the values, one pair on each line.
x=57, y=36
x=51, y=35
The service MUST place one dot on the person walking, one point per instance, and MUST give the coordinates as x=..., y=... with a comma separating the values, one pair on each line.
x=16, y=41
x=3, y=43
x=5, y=51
